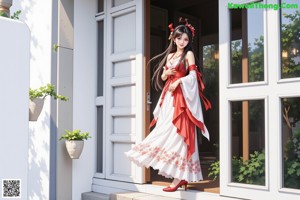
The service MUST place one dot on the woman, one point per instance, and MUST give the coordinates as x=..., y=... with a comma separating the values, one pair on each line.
x=171, y=147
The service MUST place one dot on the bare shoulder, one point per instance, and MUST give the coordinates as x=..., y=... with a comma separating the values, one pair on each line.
x=169, y=56
x=190, y=57
x=190, y=54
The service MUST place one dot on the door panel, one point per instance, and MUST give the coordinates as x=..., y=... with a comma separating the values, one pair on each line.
x=124, y=85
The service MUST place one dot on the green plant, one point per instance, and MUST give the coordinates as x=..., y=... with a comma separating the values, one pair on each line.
x=3, y=14
x=44, y=91
x=55, y=47
x=214, y=170
x=14, y=16
x=251, y=171
x=292, y=161
x=75, y=135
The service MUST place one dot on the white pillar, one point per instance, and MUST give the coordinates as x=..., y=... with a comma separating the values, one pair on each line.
x=14, y=77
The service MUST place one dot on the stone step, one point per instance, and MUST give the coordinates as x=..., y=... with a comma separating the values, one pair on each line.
x=123, y=196
x=138, y=196
x=94, y=196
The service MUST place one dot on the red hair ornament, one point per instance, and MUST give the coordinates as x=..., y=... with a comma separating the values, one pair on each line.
x=192, y=29
x=171, y=29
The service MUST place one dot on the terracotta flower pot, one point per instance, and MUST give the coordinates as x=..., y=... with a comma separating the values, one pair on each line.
x=74, y=148
x=5, y=6
x=35, y=108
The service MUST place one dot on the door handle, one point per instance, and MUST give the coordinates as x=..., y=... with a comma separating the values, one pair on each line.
x=149, y=102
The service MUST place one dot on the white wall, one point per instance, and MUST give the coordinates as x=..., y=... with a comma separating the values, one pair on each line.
x=14, y=83
x=37, y=15
x=84, y=110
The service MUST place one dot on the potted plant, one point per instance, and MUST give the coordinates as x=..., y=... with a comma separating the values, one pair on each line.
x=37, y=98
x=75, y=142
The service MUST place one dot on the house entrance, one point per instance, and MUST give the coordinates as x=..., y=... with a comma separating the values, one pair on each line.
x=203, y=15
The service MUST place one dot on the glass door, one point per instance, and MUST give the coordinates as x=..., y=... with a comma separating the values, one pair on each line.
x=259, y=102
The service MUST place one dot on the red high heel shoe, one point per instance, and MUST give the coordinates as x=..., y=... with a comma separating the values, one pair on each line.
x=173, y=189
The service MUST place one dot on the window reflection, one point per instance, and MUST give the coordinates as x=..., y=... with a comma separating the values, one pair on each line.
x=99, y=139
x=120, y=2
x=290, y=41
x=248, y=142
x=100, y=78
x=291, y=142
x=247, y=45
x=211, y=69
x=211, y=73
x=236, y=61
x=100, y=6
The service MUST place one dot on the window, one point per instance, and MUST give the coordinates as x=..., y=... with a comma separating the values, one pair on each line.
x=248, y=142
x=247, y=45
x=120, y=2
x=100, y=6
x=99, y=139
x=99, y=105
x=290, y=40
x=100, y=58
x=291, y=142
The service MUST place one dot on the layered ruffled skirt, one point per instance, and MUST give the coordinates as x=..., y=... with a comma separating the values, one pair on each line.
x=165, y=150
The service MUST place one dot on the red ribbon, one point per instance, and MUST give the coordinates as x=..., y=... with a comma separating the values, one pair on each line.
x=171, y=27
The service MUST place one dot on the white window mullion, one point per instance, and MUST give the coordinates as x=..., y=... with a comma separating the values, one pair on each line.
x=224, y=53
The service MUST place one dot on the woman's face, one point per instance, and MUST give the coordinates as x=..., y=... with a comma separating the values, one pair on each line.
x=182, y=41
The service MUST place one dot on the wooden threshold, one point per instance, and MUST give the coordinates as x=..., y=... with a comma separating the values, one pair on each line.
x=206, y=185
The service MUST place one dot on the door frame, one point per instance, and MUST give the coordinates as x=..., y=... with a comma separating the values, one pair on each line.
x=147, y=78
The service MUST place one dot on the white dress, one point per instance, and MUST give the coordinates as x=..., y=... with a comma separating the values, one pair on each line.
x=164, y=149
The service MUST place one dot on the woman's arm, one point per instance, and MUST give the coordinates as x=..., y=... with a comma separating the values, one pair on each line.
x=164, y=75
x=190, y=58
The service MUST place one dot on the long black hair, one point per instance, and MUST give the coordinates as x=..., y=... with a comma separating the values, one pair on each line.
x=178, y=31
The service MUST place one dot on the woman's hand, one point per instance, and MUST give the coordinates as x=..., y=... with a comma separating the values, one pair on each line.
x=174, y=85
x=167, y=72
x=170, y=72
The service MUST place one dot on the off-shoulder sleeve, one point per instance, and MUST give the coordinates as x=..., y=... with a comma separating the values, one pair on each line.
x=190, y=92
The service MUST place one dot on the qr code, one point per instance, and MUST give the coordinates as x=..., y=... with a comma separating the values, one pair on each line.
x=11, y=188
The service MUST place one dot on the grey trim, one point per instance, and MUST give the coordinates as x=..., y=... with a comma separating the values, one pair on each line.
x=53, y=105
x=100, y=6
x=100, y=139
x=100, y=54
